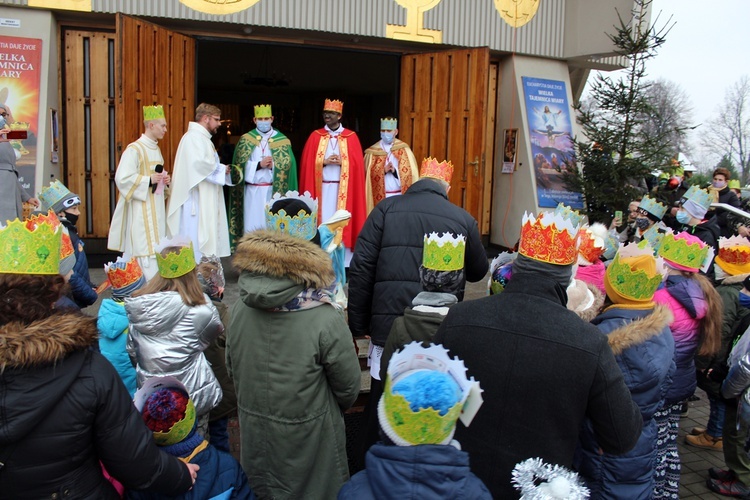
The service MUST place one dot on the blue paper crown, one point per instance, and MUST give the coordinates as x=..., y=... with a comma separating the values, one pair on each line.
x=699, y=196
x=653, y=207
x=50, y=195
x=568, y=213
x=300, y=225
x=388, y=124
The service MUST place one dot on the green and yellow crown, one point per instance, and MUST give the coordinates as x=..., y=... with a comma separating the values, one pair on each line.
x=445, y=252
x=263, y=111
x=25, y=250
x=153, y=113
x=635, y=284
x=653, y=207
x=685, y=251
x=176, y=264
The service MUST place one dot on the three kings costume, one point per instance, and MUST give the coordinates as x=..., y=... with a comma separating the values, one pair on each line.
x=380, y=184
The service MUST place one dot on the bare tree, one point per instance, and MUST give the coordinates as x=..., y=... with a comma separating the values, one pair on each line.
x=729, y=131
x=670, y=115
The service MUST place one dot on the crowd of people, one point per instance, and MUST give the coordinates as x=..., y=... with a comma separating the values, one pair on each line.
x=570, y=375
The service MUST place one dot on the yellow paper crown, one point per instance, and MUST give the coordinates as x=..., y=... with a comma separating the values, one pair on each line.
x=30, y=251
x=734, y=255
x=334, y=105
x=442, y=170
x=445, y=252
x=734, y=184
x=263, y=111
x=550, y=238
x=176, y=264
x=153, y=112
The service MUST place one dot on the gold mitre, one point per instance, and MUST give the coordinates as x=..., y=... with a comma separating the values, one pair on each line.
x=153, y=112
x=263, y=111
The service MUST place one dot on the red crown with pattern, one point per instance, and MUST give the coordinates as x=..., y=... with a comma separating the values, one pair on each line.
x=549, y=238
x=735, y=250
x=442, y=170
x=592, y=239
x=121, y=277
x=334, y=105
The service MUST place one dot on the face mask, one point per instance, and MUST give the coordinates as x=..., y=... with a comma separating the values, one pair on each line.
x=387, y=137
x=263, y=126
x=719, y=184
x=642, y=224
x=744, y=300
x=72, y=218
x=683, y=217
x=2, y=122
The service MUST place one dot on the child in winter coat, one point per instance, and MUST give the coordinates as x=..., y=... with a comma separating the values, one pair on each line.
x=697, y=311
x=169, y=413
x=171, y=323
x=125, y=277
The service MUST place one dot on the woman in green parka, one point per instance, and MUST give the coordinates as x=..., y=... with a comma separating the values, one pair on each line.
x=292, y=359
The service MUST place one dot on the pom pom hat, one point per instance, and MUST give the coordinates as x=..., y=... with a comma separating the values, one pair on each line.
x=167, y=409
x=734, y=255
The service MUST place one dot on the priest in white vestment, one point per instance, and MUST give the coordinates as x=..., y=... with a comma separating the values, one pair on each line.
x=196, y=204
x=139, y=223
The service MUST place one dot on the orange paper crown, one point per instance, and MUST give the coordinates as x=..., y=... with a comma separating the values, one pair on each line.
x=334, y=105
x=437, y=170
x=592, y=242
x=549, y=238
x=121, y=277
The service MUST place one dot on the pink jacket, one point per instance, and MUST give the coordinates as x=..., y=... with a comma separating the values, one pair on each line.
x=593, y=274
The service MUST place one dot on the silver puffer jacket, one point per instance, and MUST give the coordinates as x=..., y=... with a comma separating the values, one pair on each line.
x=168, y=337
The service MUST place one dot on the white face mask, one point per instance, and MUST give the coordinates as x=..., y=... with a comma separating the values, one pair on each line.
x=263, y=126
x=387, y=137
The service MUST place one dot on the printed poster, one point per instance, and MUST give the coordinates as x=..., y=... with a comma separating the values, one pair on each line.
x=550, y=132
x=20, y=74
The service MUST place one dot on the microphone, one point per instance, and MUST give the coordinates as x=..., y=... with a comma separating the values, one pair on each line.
x=159, y=185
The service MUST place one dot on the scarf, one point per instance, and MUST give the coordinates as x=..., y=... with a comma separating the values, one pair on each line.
x=309, y=299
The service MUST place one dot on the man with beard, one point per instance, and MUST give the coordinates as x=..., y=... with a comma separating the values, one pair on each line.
x=196, y=206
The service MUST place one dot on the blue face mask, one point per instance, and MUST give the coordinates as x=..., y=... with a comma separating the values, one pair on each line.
x=387, y=137
x=744, y=300
x=683, y=217
x=263, y=126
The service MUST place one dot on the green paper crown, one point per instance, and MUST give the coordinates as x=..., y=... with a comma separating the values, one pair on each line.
x=152, y=112
x=636, y=285
x=679, y=251
x=699, y=196
x=177, y=264
x=653, y=207
x=263, y=111
x=444, y=253
x=24, y=251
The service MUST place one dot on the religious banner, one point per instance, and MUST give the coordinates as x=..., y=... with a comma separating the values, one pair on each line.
x=550, y=133
x=19, y=91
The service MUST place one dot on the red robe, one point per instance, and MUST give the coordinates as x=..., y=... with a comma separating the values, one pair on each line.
x=352, y=181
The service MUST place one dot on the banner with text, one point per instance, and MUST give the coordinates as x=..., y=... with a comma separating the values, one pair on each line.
x=550, y=132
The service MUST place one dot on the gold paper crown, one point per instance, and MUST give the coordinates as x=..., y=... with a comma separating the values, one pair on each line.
x=734, y=255
x=444, y=253
x=633, y=284
x=66, y=245
x=685, y=251
x=334, y=105
x=176, y=264
x=30, y=251
x=153, y=112
x=263, y=111
x=442, y=170
x=550, y=238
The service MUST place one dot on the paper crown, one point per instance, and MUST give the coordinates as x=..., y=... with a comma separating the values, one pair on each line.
x=734, y=184
x=417, y=415
x=653, y=237
x=160, y=411
x=153, y=112
x=592, y=242
x=442, y=170
x=550, y=238
x=263, y=111
x=734, y=255
x=537, y=480
x=67, y=252
x=388, y=123
x=333, y=105
x=699, y=196
x=444, y=252
x=633, y=284
x=685, y=252
x=611, y=245
x=176, y=264
x=574, y=216
x=300, y=225
x=652, y=206
x=25, y=250
x=501, y=271
x=125, y=276
x=55, y=195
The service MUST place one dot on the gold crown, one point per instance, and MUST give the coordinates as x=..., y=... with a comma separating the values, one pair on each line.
x=176, y=264
x=444, y=253
x=25, y=250
x=334, y=105
x=153, y=112
x=263, y=111
x=442, y=170
x=550, y=238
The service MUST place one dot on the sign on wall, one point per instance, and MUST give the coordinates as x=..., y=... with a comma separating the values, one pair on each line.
x=550, y=133
x=20, y=74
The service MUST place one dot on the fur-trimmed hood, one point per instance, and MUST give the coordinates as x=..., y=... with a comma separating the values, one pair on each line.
x=46, y=341
x=585, y=299
x=279, y=255
x=640, y=330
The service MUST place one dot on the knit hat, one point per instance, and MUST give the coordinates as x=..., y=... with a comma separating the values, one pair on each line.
x=167, y=409
x=425, y=393
x=501, y=270
x=58, y=198
x=633, y=276
x=734, y=255
x=685, y=252
x=211, y=276
x=125, y=276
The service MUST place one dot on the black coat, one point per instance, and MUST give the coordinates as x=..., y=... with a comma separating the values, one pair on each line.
x=384, y=272
x=721, y=216
x=64, y=409
x=543, y=371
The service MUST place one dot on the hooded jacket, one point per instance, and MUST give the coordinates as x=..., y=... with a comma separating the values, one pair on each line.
x=112, y=323
x=168, y=337
x=294, y=371
x=644, y=348
x=64, y=409
x=415, y=473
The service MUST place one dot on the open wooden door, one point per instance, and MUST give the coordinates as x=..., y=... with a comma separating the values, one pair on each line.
x=156, y=66
x=443, y=114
